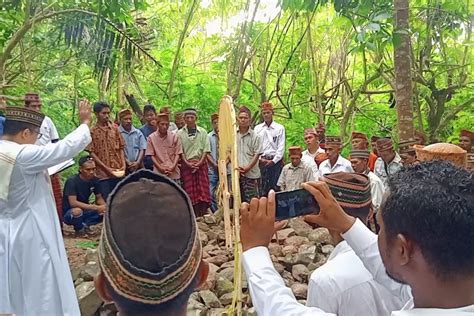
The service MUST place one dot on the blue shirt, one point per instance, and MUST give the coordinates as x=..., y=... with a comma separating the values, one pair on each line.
x=134, y=142
x=146, y=130
x=214, y=141
x=2, y=121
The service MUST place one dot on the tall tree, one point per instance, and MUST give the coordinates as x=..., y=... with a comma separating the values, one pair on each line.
x=402, y=62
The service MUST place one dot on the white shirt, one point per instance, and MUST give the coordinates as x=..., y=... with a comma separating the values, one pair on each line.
x=393, y=167
x=271, y=297
x=343, y=286
x=48, y=132
x=273, y=139
x=341, y=165
x=34, y=272
x=308, y=158
x=376, y=190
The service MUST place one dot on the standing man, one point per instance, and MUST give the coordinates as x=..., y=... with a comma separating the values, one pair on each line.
x=312, y=149
x=34, y=272
x=407, y=153
x=49, y=134
x=213, y=159
x=164, y=149
x=389, y=161
x=359, y=141
x=194, y=170
x=466, y=139
x=373, y=154
x=296, y=172
x=359, y=161
x=272, y=135
x=321, y=133
x=179, y=120
x=335, y=162
x=249, y=149
x=78, y=212
x=135, y=142
x=149, y=114
x=167, y=110
x=107, y=150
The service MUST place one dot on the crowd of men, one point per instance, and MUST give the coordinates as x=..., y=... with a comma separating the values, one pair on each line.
x=420, y=263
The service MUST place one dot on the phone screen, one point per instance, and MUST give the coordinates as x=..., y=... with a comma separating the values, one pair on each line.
x=295, y=203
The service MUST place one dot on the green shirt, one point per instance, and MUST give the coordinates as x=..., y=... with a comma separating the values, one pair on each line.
x=194, y=147
x=249, y=145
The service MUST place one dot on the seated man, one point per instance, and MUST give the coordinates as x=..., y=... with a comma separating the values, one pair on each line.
x=296, y=172
x=78, y=211
x=148, y=266
x=429, y=207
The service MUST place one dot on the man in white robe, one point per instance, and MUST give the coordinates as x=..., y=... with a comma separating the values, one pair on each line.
x=430, y=207
x=34, y=272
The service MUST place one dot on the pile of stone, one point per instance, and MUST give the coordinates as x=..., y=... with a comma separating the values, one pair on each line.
x=296, y=251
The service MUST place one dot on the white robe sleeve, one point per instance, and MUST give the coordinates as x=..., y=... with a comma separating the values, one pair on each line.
x=364, y=244
x=37, y=158
x=270, y=296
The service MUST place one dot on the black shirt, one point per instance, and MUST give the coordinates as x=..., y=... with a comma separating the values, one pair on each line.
x=80, y=188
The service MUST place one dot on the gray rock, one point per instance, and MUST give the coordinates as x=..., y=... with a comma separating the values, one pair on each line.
x=211, y=277
x=226, y=299
x=217, y=312
x=212, y=235
x=210, y=219
x=75, y=272
x=92, y=255
x=195, y=296
x=108, y=309
x=89, y=271
x=227, y=273
x=299, y=290
x=275, y=249
x=210, y=299
x=279, y=267
x=301, y=227
x=296, y=241
x=251, y=312
x=217, y=260
x=320, y=235
x=314, y=265
x=289, y=250
x=203, y=237
x=195, y=308
x=283, y=234
x=203, y=227
x=327, y=249
x=289, y=261
x=300, y=272
x=78, y=281
x=228, y=264
x=306, y=255
x=287, y=278
x=89, y=301
x=210, y=248
x=223, y=286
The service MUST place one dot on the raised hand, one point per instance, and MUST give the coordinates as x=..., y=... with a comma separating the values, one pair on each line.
x=85, y=111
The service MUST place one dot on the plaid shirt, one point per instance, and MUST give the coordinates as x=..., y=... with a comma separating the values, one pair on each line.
x=292, y=177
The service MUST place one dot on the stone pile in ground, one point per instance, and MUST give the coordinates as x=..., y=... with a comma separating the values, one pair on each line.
x=296, y=251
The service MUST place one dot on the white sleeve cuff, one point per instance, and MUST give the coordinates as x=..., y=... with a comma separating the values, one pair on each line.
x=255, y=259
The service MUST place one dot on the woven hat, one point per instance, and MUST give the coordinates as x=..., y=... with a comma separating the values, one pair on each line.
x=163, y=117
x=214, y=116
x=190, y=111
x=466, y=133
x=384, y=144
x=25, y=115
x=333, y=140
x=149, y=250
x=351, y=190
x=360, y=153
x=124, y=112
x=320, y=158
x=179, y=115
x=267, y=106
x=295, y=150
x=406, y=147
x=310, y=131
x=442, y=151
x=165, y=109
x=358, y=135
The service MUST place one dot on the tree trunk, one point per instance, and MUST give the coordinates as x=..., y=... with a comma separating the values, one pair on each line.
x=402, y=61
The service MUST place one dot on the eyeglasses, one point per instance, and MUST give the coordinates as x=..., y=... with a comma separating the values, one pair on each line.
x=39, y=135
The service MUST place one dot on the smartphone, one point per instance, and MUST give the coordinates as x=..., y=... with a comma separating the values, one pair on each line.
x=295, y=203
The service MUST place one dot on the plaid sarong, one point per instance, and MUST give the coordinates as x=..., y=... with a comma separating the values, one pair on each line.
x=249, y=188
x=196, y=184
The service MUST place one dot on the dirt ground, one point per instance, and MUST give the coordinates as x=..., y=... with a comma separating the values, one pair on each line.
x=76, y=246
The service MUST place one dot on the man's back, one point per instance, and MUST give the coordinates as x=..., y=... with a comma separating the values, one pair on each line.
x=343, y=286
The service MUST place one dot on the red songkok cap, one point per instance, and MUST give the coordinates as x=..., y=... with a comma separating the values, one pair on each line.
x=267, y=106
x=214, y=116
x=359, y=135
x=384, y=144
x=295, y=150
x=124, y=112
x=333, y=140
x=310, y=131
x=466, y=133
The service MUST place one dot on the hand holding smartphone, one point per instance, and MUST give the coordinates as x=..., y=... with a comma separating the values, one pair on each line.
x=295, y=203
